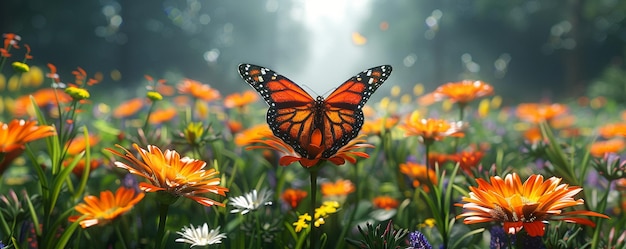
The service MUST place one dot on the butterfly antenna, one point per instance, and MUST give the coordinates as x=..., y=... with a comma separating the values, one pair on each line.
x=310, y=90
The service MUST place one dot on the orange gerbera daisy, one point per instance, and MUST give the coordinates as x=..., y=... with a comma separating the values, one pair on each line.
x=293, y=196
x=612, y=130
x=79, y=143
x=240, y=100
x=462, y=92
x=385, y=202
x=340, y=187
x=162, y=116
x=198, y=90
x=128, y=108
x=253, y=134
x=168, y=172
x=467, y=160
x=99, y=211
x=523, y=206
x=417, y=172
x=536, y=113
x=430, y=130
x=15, y=134
x=42, y=97
x=376, y=126
x=599, y=148
x=533, y=135
x=346, y=153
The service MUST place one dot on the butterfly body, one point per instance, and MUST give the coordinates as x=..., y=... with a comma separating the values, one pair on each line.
x=314, y=127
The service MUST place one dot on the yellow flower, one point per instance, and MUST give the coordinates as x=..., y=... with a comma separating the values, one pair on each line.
x=168, y=172
x=20, y=67
x=98, y=211
x=302, y=222
x=193, y=132
x=525, y=206
x=430, y=223
x=77, y=93
x=328, y=207
x=154, y=96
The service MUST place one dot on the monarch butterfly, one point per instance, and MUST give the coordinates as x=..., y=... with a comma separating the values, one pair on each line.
x=300, y=120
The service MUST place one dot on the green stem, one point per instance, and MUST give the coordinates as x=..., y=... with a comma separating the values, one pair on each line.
x=119, y=236
x=147, y=123
x=161, y=230
x=601, y=206
x=353, y=213
x=313, y=174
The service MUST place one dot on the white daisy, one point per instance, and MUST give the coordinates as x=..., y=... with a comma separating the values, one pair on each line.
x=201, y=236
x=250, y=201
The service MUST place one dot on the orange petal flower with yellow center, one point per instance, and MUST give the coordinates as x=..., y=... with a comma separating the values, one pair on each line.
x=462, y=92
x=612, y=130
x=467, y=160
x=240, y=100
x=339, y=188
x=100, y=211
x=523, y=206
x=314, y=150
x=536, y=113
x=15, y=134
x=385, y=202
x=128, y=108
x=599, y=148
x=167, y=171
x=430, y=130
x=198, y=90
x=417, y=172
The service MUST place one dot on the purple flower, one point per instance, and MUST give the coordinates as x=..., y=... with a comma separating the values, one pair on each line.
x=417, y=240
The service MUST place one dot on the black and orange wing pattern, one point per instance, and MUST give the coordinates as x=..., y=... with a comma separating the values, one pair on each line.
x=343, y=115
x=294, y=115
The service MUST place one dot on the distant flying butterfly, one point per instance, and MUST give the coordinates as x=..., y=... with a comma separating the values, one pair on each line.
x=294, y=116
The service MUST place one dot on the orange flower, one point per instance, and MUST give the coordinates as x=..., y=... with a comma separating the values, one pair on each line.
x=78, y=144
x=240, y=100
x=375, y=127
x=417, y=172
x=462, y=92
x=293, y=196
x=346, y=153
x=43, y=97
x=537, y=113
x=339, y=188
x=234, y=126
x=612, y=130
x=437, y=159
x=99, y=211
x=430, y=130
x=170, y=173
x=253, y=134
x=533, y=135
x=79, y=169
x=198, y=90
x=385, y=202
x=15, y=134
x=598, y=149
x=467, y=160
x=128, y=108
x=162, y=116
x=523, y=206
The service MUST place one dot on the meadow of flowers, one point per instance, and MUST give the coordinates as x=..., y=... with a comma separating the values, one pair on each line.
x=182, y=166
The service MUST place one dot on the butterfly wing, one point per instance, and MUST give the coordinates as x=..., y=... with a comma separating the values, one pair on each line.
x=343, y=117
x=290, y=114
